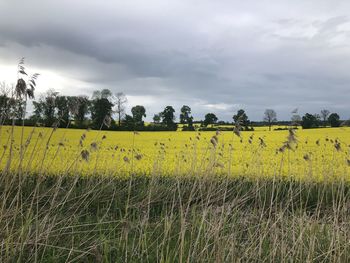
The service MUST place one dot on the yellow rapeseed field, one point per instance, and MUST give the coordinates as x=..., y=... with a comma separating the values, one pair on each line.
x=317, y=154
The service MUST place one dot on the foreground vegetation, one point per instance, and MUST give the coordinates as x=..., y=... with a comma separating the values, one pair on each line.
x=171, y=219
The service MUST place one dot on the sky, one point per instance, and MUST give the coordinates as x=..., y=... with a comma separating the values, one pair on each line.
x=215, y=56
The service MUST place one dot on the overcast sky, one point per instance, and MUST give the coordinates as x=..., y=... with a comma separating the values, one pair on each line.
x=215, y=56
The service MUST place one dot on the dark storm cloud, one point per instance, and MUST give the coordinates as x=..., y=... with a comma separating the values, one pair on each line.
x=213, y=56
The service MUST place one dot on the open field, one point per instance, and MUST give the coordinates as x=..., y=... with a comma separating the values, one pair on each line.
x=317, y=154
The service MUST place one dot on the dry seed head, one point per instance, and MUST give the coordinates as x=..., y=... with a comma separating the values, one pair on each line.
x=94, y=146
x=85, y=155
x=214, y=141
x=237, y=131
x=107, y=121
x=138, y=157
x=292, y=136
x=337, y=146
x=306, y=157
x=282, y=149
x=126, y=159
x=218, y=164
x=262, y=142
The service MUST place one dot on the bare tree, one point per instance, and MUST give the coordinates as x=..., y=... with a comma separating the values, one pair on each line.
x=270, y=117
x=324, y=115
x=296, y=120
x=121, y=100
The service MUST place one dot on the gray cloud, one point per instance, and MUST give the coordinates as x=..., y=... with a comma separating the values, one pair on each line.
x=212, y=56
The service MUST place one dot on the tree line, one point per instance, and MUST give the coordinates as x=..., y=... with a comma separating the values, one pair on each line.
x=99, y=111
x=105, y=110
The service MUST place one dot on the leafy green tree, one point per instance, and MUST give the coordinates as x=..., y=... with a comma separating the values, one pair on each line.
x=310, y=121
x=157, y=118
x=45, y=108
x=4, y=108
x=210, y=118
x=138, y=112
x=38, y=112
x=334, y=120
x=101, y=107
x=128, y=122
x=168, y=118
x=185, y=115
x=63, y=113
x=82, y=110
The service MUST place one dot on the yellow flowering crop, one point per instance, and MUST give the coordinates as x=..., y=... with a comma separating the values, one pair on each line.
x=317, y=154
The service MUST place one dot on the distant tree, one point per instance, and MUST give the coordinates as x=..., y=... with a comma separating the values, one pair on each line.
x=185, y=115
x=334, y=120
x=63, y=113
x=80, y=111
x=210, y=118
x=45, y=109
x=168, y=118
x=120, y=101
x=49, y=108
x=4, y=108
x=241, y=118
x=5, y=102
x=102, y=94
x=138, y=112
x=310, y=121
x=345, y=123
x=38, y=112
x=318, y=117
x=128, y=122
x=157, y=118
x=101, y=107
x=270, y=117
x=324, y=114
x=296, y=120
